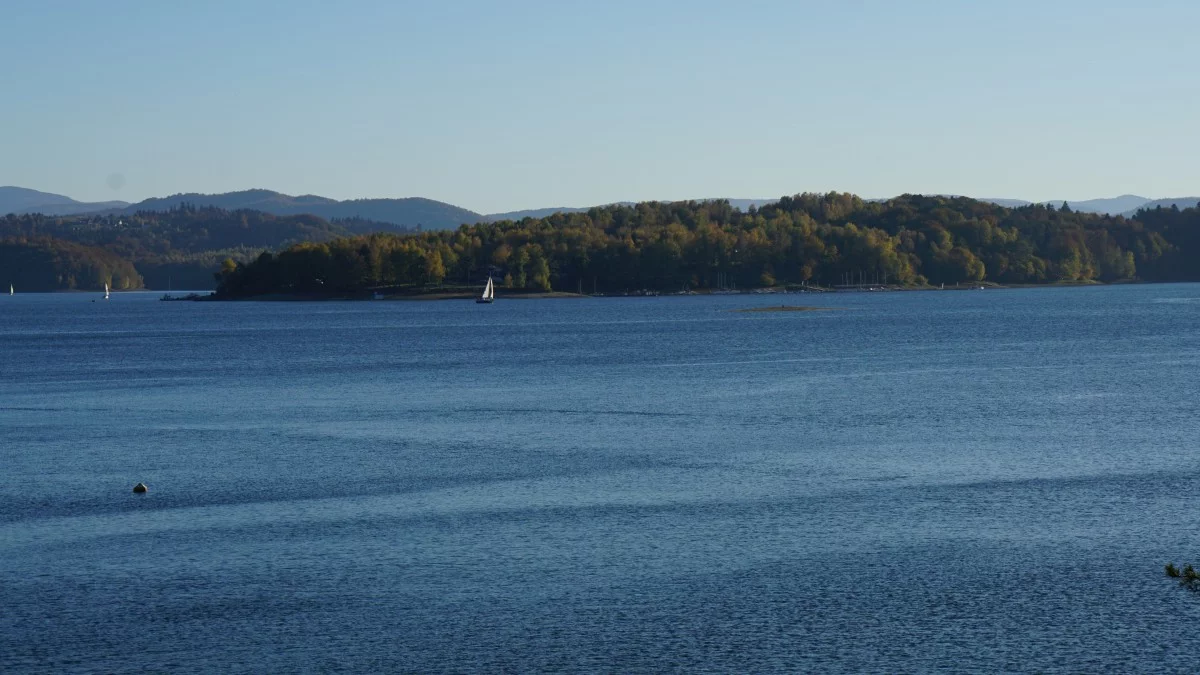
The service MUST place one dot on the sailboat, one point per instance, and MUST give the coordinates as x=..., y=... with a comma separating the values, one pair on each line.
x=106, y=290
x=489, y=292
x=10, y=289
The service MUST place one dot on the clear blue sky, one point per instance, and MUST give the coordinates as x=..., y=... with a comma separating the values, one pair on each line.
x=520, y=104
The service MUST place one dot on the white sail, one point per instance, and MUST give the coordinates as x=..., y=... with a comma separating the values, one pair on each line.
x=106, y=290
x=10, y=289
x=489, y=292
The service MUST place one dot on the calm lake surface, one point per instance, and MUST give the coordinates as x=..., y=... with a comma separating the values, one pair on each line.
x=967, y=481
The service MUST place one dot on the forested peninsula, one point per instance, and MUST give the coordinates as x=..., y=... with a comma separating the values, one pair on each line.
x=809, y=239
x=815, y=239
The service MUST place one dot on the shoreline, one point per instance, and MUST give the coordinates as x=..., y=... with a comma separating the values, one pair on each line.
x=400, y=297
x=472, y=294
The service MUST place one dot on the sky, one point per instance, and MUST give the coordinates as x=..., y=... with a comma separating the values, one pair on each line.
x=515, y=104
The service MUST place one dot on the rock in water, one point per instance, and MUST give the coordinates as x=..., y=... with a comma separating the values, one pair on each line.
x=140, y=488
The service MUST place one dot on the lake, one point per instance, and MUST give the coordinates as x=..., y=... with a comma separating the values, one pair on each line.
x=967, y=481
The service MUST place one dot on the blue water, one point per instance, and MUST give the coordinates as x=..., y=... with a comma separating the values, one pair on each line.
x=966, y=481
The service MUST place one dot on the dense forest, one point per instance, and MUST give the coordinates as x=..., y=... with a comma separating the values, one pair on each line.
x=45, y=263
x=828, y=240
x=180, y=248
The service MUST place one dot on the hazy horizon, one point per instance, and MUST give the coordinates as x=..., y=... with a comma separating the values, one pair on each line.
x=683, y=199
x=536, y=104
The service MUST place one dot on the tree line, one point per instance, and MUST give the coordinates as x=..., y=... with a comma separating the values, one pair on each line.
x=823, y=239
x=45, y=264
x=181, y=247
x=817, y=239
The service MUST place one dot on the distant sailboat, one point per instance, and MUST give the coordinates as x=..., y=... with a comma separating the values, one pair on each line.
x=106, y=290
x=489, y=292
x=10, y=289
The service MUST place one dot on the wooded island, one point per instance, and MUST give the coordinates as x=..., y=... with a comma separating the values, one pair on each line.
x=827, y=240
x=815, y=239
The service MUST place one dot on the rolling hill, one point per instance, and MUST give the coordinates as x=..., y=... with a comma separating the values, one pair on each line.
x=742, y=204
x=23, y=200
x=409, y=212
x=1181, y=202
x=428, y=214
x=1111, y=205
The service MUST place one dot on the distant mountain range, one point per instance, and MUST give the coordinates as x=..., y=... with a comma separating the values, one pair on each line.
x=1113, y=205
x=1125, y=205
x=741, y=204
x=411, y=212
x=533, y=213
x=23, y=200
x=407, y=212
x=1181, y=202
